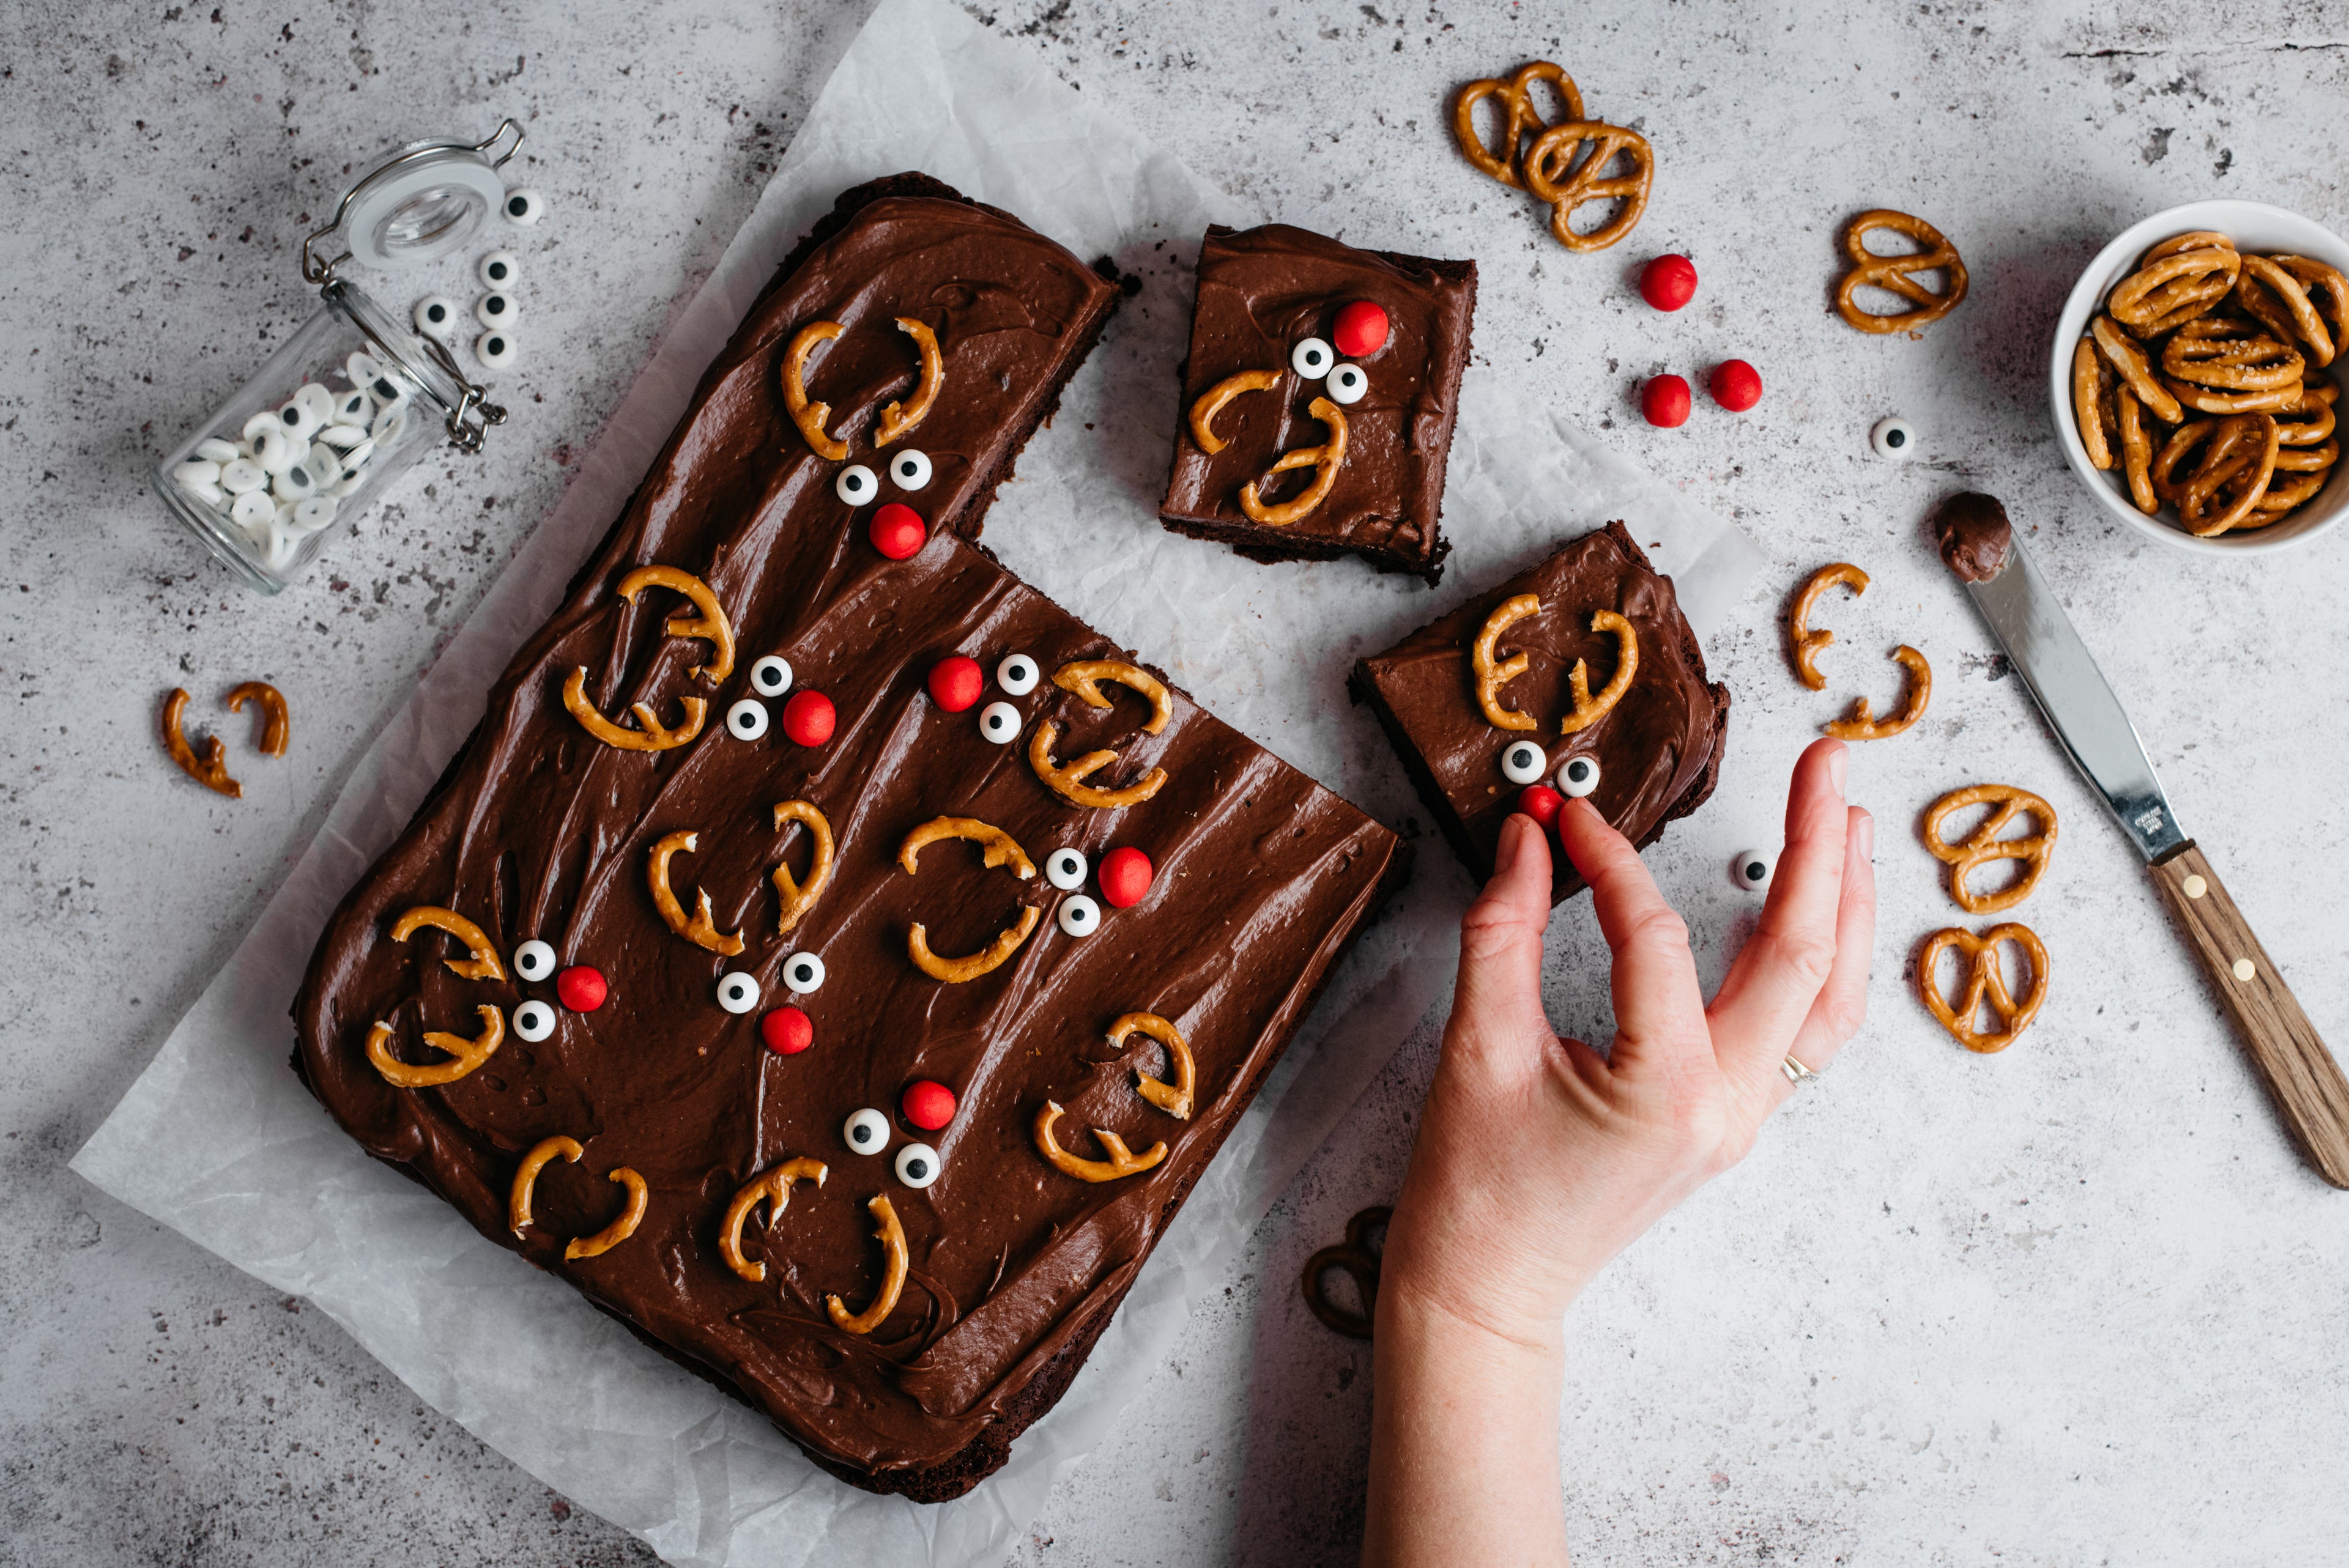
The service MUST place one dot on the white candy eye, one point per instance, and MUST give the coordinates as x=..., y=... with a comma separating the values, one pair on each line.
x=1347, y=383
x=389, y=391
x=262, y=424
x=999, y=722
x=353, y=407
x=855, y=485
x=241, y=475
x=277, y=554
x=747, y=719
x=205, y=491
x=313, y=514
x=1017, y=675
x=1579, y=777
x=910, y=470
x=356, y=459
x=296, y=483
x=533, y=1020
x=390, y=424
x=298, y=422
x=1312, y=358
x=1523, y=762
x=1750, y=869
x=346, y=436
x=253, y=511
x=918, y=1165
x=1893, y=437
x=216, y=450
x=803, y=972
x=195, y=471
x=535, y=960
x=772, y=676
x=324, y=463
x=317, y=400
x=435, y=315
x=1065, y=870
x=495, y=308
x=497, y=269
x=1080, y=916
x=738, y=992
x=867, y=1131
x=524, y=206
x=361, y=368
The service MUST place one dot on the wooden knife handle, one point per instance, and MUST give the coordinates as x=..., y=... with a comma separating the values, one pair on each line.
x=2300, y=1074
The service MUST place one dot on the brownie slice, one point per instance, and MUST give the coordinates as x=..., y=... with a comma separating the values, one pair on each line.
x=1273, y=302
x=1658, y=750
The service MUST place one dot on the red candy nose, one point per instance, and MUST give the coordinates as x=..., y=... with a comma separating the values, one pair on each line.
x=786, y=1031
x=1665, y=401
x=1668, y=283
x=1124, y=877
x=581, y=989
x=1737, y=385
x=897, y=531
x=808, y=719
x=956, y=682
x=1361, y=330
x=1542, y=803
x=927, y=1104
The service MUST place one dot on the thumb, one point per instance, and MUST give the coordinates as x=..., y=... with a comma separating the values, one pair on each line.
x=1497, y=1003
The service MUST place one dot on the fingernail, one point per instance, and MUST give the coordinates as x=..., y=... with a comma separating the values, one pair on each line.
x=1839, y=764
x=1863, y=839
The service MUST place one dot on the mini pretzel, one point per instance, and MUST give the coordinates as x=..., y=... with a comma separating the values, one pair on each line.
x=1552, y=176
x=809, y=417
x=2196, y=239
x=1983, y=982
x=1891, y=273
x=526, y=1176
x=2091, y=403
x=701, y=930
x=1069, y=778
x=273, y=713
x=1361, y=1262
x=619, y=1230
x=2168, y=290
x=1862, y=726
x=2306, y=459
x=1000, y=849
x=712, y=627
x=1211, y=403
x=891, y=1237
x=465, y=1056
x=2237, y=458
x=1173, y=1099
x=650, y=735
x=1083, y=679
x=2315, y=278
x=2210, y=400
x=2137, y=452
x=1984, y=845
x=1520, y=118
x=799, y=898
x=1588, y=710
x=2282, y=305
x=2312, y=421
x=898, y=419
x=211, y=768
x=2136, y=368
x=2202, y=352
x=774, y=1189
x=482, y=965
x=1122, y=1160
x=1325, y=461
x=1491, y=676
x=1808, y=644
x=2281, y=496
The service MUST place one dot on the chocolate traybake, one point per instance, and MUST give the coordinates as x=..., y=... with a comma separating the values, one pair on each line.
x=828, y=956
x=1476, y=726
x=1319, y=400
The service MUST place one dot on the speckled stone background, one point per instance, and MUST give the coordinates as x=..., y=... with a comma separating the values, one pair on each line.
x=2077, y=1303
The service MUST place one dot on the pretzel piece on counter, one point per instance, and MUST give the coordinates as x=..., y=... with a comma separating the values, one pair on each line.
x=209, y=768
x=275, y=718
x=1982, y=982
x=1893, y=273
x=1519, y=116
x=1807, y=645
x=1983, y=845
x=1552, y=175
x=1862, y=724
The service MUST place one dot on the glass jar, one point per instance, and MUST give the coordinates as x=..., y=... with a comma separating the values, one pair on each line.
x=352, y=396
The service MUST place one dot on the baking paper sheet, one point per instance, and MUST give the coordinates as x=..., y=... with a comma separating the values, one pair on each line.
x=218, y=1140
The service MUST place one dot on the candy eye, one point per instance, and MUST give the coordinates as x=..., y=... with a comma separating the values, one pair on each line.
x=276, y=451
x=867, y=1131
x=1523, y=762
x=855, y=485
x=242, y=474
x=1080, y=916
x=310, y=516
x=910, y=470
x=772, y=676
x=803, y=972
x=299, y=421
x=1751, y=869
x=1312, y=358
x=918, y=1165
x=355, y=409
x=253, y=508
x=533, y=1021
x=297, y=482
x=999, y=722
x=535, y=960
x=497, y=269
x=495, y=308
x=1017, y=675
x=524, y=206
x=1347, y=383
x=494, y=349
x=1579, y=777
x=212, y=449
x=435, y=314
x=738, y=992
x=747, y=719
x=1065, y=870
x=1893, y=437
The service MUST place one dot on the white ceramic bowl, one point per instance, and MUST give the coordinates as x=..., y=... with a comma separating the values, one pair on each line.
x=2254, y=226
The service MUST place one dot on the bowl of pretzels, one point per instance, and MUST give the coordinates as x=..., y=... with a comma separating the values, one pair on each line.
x=2195, y=374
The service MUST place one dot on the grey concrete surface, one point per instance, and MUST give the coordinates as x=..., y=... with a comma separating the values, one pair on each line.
x=2077, y=1303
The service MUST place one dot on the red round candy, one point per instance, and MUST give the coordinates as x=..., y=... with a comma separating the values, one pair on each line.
x=1124, y=877
x=1737, y=385
x=957, y=682
x=808, y=717
x=1665, y=401
x=786, y=1031
x=1667, y=283
x=898, y=532
x=581, y=989
x=1361, y=330
x=927, y=1104
x=1542, y=803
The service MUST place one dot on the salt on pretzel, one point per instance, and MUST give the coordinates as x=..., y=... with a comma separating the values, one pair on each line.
x=712, y=626
x=2168, y=290
x=2237, y=458
x=1983, y=845
x=899, y=419
x=1805, y=643
x=1520, y=118
x=1552, y=175
x=1588, y=710
x=700, y=929
x=1982, y=982
x=1493, y=674
x=465, y=1057
x=2280, y=301
x=1211, y=402
x=1122, y=1160
x=209, y=768
x=2212, y=400
x=998, y=848
x=2136, y=452
x=651, y=734
x=1174, y=1098
x=1083, y=677
x=1893, y=273
x=895, y=1264
x=2136, y=369
x=798, y=897
x=620, y=1229
x=274, y=717
x=774, y=1188
x=809, y=417
x=542, y=1154
x=1068, y=778
x=1325, y=461
x=2316, y=277
x=2207, y=354
x=1862, y=724
x=482, y=963
x=2092, y=409
x=2308, y=420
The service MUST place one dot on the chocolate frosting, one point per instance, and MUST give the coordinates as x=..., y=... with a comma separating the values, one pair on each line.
x=538, y=831
x=1659, y=749
x=1261, y=292
x=1973, y=534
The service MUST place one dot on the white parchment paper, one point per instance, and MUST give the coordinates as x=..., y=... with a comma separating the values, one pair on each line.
x=219, y=1141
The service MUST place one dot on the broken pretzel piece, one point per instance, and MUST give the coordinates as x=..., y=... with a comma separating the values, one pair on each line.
x=809, y=417
x=1588, y=710
x=1122, y=1160
x=651, y=734
x=712, y=627
x=894, y=1264
x=1083, y=678
x=465, y=1057
x=999, y=848
x=798, y=898
x=526, y=1176
x=1325, y=461
x=208, y=769
x=700, y=929
x=899, y=419
x=1172, y=1097
x=1862, y=724
x=1493, y=674
x=1211, y=402
x=1069, y=778
x=619, y=1230
x=1807, y=643
x=482, y=965
x=273, y=715
x=774, y=1189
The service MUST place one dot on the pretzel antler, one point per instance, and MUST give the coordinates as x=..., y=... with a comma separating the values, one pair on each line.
x=999, y=848
x=483, y=965
x=774, y=1189
x=1491, y=675
x=798, y=898
x=700, y=930
x=465, y=1056
x=1211, y=402
x=1122, y=1160
x=1083, y=678
x=1069, y=778
x=651, y=736
x=895, y=1264
x=809, y=417
x=712, y=627
x=1173, y=1099
x=897, y=419
x=1588, y=710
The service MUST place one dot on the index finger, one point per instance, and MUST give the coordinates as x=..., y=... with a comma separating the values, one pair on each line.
x=1777, y=977
x=1659, y=1004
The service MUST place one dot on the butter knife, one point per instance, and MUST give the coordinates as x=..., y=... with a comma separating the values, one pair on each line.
x=2023, y=613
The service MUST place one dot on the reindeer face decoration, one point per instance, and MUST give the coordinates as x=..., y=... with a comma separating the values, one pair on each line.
x=896, y=528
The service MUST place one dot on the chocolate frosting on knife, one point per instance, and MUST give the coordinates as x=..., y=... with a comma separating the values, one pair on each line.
x=1973, y=534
